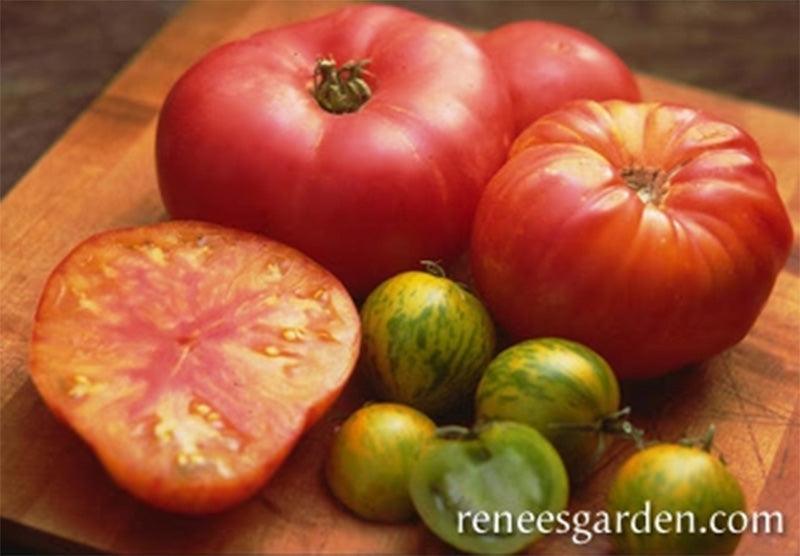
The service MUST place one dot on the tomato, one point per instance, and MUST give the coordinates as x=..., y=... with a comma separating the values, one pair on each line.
x=368, y=169
x=502, y=468
x=546, y=65
x=675, y=478
x=191, y=357
x=371, y=458
x=561, y=388
x=652, y=233
x=426, y=341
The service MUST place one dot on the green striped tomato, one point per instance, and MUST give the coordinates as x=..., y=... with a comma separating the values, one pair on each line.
x=426, y=341
x=371, y=458
x=675, y=478
x=506, y=471
x=562, y=388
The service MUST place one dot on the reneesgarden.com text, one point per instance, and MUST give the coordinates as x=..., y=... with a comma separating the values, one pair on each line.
x=584, y=525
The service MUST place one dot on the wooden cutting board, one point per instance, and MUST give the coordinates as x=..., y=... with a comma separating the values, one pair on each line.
x=101, y=175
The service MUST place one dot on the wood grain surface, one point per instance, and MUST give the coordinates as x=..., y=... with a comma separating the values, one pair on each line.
x=101, y=175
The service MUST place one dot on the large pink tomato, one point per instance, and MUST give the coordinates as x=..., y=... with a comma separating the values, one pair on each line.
x=652, y=233
x=363, y=138
x=546, y=65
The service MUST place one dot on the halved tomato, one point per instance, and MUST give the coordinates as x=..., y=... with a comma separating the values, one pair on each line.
x=191, y=357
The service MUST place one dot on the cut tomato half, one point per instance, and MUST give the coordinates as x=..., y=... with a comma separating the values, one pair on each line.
x=191, y=357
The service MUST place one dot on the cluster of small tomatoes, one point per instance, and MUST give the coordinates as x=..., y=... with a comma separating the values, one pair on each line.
x=544, y=412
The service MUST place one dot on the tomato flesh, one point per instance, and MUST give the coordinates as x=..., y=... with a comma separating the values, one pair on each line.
x=191, y=357
x=500, y=467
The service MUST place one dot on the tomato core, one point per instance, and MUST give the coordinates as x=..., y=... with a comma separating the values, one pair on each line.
x=650, y=184
x=340, y=89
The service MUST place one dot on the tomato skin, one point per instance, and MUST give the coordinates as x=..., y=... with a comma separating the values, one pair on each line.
x=426, y=341
x=168, y=349
x=550, y=383
x=676, y=478
x=368, y=194
x=546, y=65
x=564, y=246
x=499, y=467
x=371, y=458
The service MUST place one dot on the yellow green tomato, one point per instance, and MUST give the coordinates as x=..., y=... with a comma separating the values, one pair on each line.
x=670, y=480
x=563, y=389
x=482, y=490
x=426, y=341
x=371, y=458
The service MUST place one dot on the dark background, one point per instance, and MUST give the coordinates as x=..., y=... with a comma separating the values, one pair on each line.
x=56, y=56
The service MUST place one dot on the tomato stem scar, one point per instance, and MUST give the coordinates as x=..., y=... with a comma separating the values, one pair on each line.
x=650, y=184
x=340, y=89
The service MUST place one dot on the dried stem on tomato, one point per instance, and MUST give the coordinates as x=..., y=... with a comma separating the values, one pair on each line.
x=341, y=89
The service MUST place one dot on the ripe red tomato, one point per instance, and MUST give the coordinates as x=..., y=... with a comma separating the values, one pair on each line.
x=368, y=169
x=546, y=65
x=652, y=233
x=191, y=357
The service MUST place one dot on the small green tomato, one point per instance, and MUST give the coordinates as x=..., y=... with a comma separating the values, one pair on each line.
x=426, y=341
x=564, y=390
x=500, y=470
x=371, y=458
x=674, y=479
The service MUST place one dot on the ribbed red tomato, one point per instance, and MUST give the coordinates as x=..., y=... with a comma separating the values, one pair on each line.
x=191, y=357
x=546, y=65
x=652, y=233
x=363, y=138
